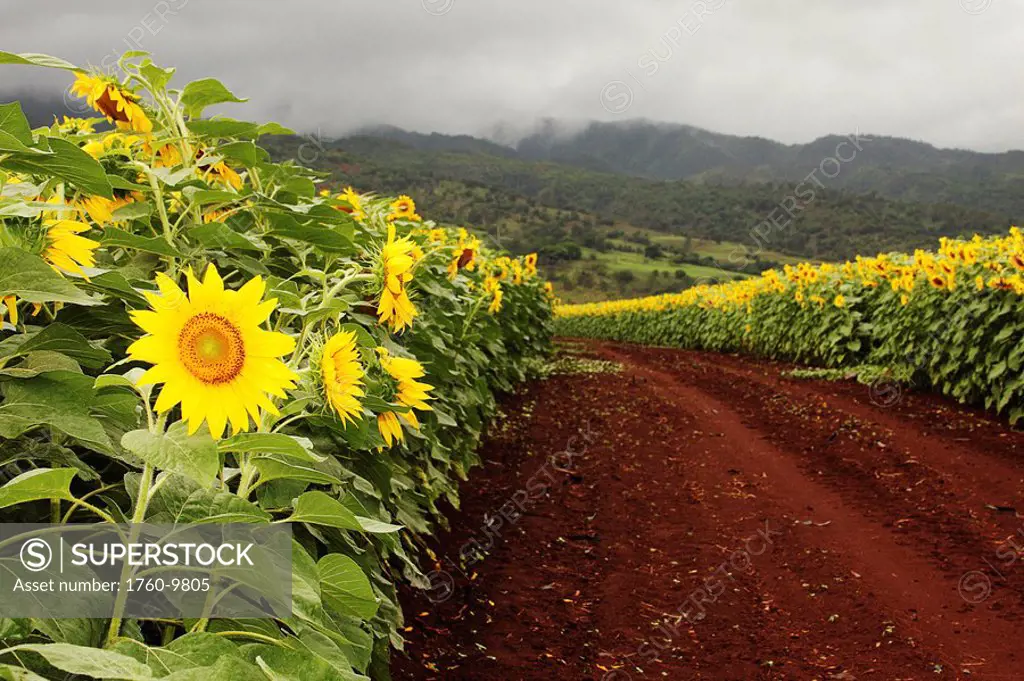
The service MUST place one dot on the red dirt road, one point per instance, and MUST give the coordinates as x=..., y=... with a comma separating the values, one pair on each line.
x=700, y=516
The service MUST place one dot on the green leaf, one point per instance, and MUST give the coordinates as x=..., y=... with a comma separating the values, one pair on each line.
x=283, y=664
x=28, y=277
x=41, y=483
x=376, y=526
x=10, y=143
x=101, y=664
x=60, y=400
x=224, y=669
x=132, y=211
x=270, y=443
x=275, y=129
x=67, y=162
x=319, y=508
x=199, y=650
x=345, y=586
x=219, y=235
x=33, y=59
x=113, y=381
x=194, y=456
x=273, y=468
x=245, y=153
x=10, y=673
x=43, y=362
x=328, y=239
x=200, y=94
x=14, y=123
x=208, y=506
x=66, y=340
x=113, y=236
x=158, y=77
x=224, y=127
x=205, y=196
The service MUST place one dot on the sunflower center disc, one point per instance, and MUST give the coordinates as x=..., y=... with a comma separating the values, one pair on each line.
x=211, y=348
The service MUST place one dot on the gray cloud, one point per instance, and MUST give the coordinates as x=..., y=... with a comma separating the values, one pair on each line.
x=945, y=71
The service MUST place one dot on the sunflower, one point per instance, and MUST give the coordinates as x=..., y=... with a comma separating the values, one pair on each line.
x=492, y=286
x=166, y=156
x=65, y=250
x=531, y=264
x=74, y=125
x=403, y=208
x=342, y=375
x=502, y=266
x=11, y=303
x=495, y=306
x=119, y=105
x=397, y=261
x=408, y=392
x=355, y=203
x=101, y=210
x=839, y=301
x=210, y=353
x=222, y=174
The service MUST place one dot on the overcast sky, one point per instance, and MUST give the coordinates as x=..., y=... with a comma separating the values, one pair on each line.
x=949, y=72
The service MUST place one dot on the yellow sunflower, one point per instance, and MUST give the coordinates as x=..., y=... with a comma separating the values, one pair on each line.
x=74, y=125
x=355, y=202
x=463, y=258
x=839, y=301
x=342, y=375
x=65, y=250
x=408, y=392
x=166, y=156
x=210, y=353
x=101, y=210
x=222, y=174
x=119, y=105
x=11, y=303
x=531, y=264
x=403, y=208
x=397, y=261
x=493, y=287
x=98, y=148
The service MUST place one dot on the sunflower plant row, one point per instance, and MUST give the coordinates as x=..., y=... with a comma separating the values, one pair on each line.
x=193, y=333
x=951, y=319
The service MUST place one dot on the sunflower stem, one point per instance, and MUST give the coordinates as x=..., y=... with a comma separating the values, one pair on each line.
x=137, y=518
x=247, y=473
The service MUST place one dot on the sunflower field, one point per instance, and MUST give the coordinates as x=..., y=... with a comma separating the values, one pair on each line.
x=951, y=320
x=193, y=333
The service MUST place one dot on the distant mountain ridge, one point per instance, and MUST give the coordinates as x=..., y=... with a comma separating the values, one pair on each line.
x=893, y=167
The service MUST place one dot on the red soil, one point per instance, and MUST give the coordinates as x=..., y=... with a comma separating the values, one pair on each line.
x=701, y=516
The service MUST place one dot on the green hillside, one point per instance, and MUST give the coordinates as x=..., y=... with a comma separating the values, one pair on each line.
x=617, y=235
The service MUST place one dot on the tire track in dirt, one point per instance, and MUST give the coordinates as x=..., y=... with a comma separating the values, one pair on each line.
x=706, y=528
x=867, y=509
x=944, y=474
